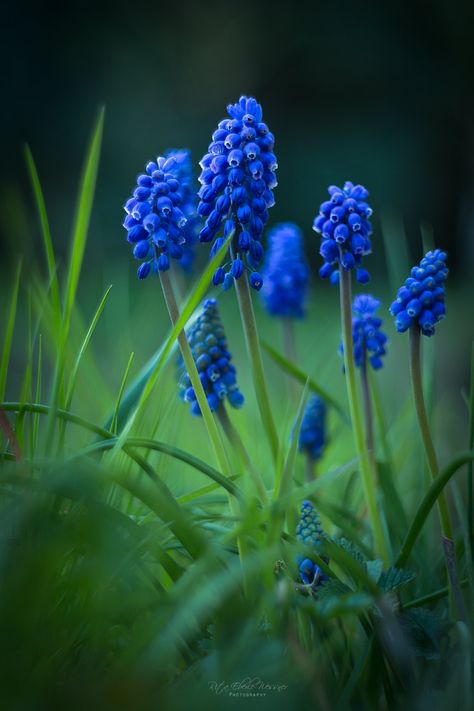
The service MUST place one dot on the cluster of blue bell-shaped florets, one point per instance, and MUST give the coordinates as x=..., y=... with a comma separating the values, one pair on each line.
x=369, y=339
x=421, y=300
x=155, y=221
x=345, y=229
x=184, y=173
x=309, y=532
x=312, y=437
x=208, y=345
x=238, y=176
x=286, y=273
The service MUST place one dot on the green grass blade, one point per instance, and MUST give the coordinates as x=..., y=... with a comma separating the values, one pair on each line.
x=83, y=348
x=45, y=231
x=82, y=218
x=7, y=343
x=302, y=377
x=427, y=503
x=113, y=424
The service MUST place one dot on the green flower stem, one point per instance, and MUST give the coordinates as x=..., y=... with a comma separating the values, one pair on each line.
x=367, y=401
x=209, y=421
x=253, y=348
x=417, y=385
x=241, y=450
x=368, y=478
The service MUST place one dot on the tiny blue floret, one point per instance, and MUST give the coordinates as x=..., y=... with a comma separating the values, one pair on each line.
x=213, y=361
x=312, y=437
x=237, y=179
x=369, y=339
x=285, y=273
x=420, y=301
x=310, y=534
x=344, y=224
x=156, y=222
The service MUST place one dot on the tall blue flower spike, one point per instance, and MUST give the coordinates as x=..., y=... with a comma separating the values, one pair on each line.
x=369, y=339
x=237, y=179
x=345, y=229
x=312, y=438
x=285, y=273
x=155, y=221
x=420, y=301
x=310, y=533
x=213, y=361
x=184, y=173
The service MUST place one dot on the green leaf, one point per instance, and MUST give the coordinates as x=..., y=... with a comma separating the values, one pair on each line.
x=351, y=603
x=7, y=343
x=394, y=578
x=423, y=628
x=331, y=589
x=374, y=569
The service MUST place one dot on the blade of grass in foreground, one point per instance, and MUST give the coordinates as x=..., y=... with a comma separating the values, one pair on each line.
x=7, y=343
x=79, y=237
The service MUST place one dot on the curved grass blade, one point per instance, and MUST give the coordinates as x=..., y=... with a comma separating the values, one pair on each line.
x=113, y=424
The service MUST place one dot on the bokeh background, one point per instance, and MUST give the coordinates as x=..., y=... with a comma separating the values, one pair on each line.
x=380, y=93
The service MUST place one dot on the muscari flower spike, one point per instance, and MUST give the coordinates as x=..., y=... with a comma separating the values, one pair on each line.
x=420, y=301
x=213, y=361
x=309, y=533
x=238, y=176
x=155, y=221
x=369, y=339
x=312, y=437
x=285, y=273
x=345, y=229
x=184, y=173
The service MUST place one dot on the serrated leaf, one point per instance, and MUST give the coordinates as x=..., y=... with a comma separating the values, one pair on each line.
x=331, y=589
x=350, y=548
x=394, y=578
x=424, y=631
x=374, y=569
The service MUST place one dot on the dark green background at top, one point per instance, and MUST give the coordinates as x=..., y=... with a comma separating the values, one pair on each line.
x=380, y=93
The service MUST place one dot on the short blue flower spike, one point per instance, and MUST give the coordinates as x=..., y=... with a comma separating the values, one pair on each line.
x=184, y=173
x=312, y=437
x=156, y=223
x=285, y=273
x=309, y=532
x=213, y=361
x=369, y=339
x=238, y=176
x=421, y=300
x=345, y=229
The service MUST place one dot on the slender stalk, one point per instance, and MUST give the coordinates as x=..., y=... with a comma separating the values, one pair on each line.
x=367, y=401
x=418, y=396
x=253, y=348
x=368, y=479
x=208, y=418
x=236, y=442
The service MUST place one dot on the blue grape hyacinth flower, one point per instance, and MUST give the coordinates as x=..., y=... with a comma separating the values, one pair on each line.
x=285, y=273
x=420, y=301
x=237, y=179
x=184, y=173
x=369, y=339
x=156, y=222
x=312, y=437
x=344, y=225
x=213, y=361
x=309, y=533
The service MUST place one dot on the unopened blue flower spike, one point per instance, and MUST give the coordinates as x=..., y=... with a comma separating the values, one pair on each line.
x=156, y=222
x=344, y=225
x=213, y=360
x=184, y=173
x=285, y=273
x=309, y=532
x=369, y=339
x=312, y=437
x=420, y=301
x=237, y=179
